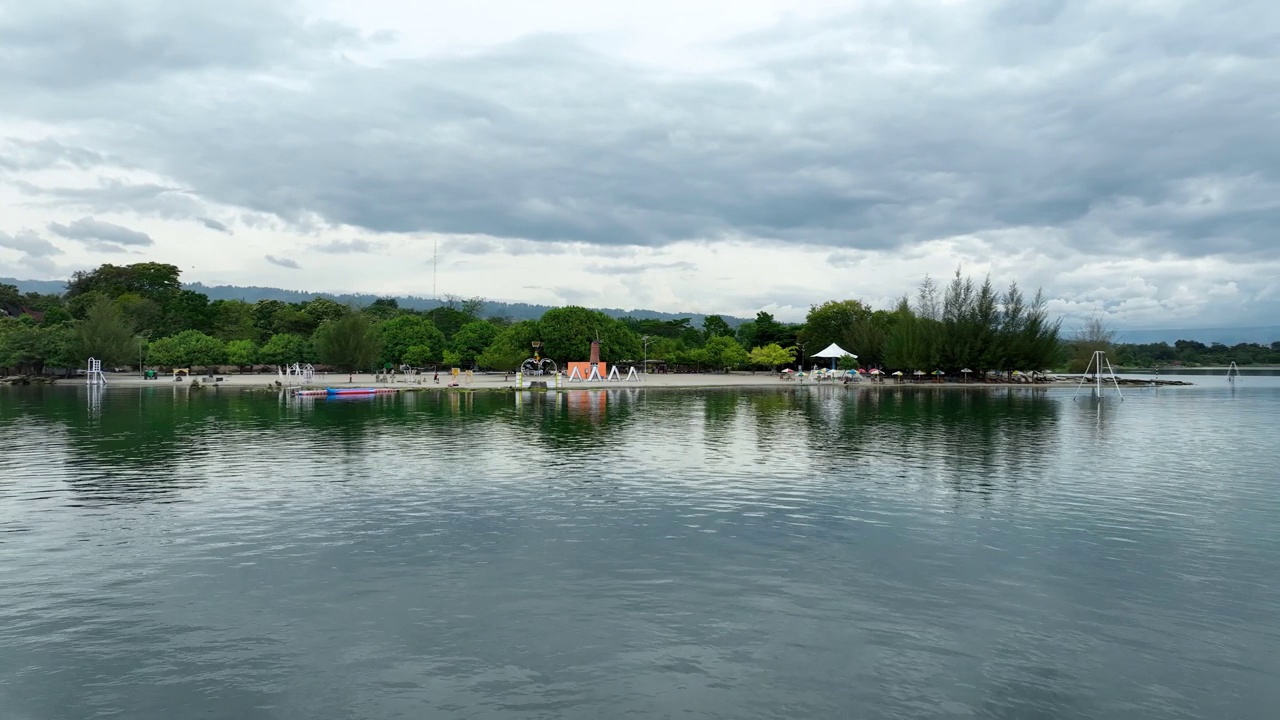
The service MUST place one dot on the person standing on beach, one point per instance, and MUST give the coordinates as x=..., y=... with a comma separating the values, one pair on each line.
x=437, y=377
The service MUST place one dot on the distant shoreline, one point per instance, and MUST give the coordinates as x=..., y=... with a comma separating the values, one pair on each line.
x=500, y=381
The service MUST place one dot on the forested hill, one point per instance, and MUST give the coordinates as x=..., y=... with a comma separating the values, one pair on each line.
x=252, y=294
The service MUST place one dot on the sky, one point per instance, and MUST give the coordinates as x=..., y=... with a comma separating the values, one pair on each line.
x=711, y=157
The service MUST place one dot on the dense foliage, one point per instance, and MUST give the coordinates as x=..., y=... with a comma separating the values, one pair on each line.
x=119, y=313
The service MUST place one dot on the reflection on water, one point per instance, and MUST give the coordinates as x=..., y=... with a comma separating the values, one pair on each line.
x=805, y=552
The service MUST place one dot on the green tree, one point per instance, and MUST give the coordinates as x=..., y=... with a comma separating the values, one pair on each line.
x=232, y=320
x=156, y=281
x=834, y=321
x=321, y=309
x=452, y=359
x=772, y=355
x=349, y=343
x=184, y=310
x=724, y=353
x=142, y=314
x=419, y=356
x=241, y=353
x=567, y=333
x=471, y=340
x=405, y=331
x=188, y=349
x=26, y=347
x=511, y=346
x=286, y=349
x=102, y=334
x=714, y=325
x=765, y=330
x=383, y=309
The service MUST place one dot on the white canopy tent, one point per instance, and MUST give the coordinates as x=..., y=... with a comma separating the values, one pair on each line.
x=834, y=352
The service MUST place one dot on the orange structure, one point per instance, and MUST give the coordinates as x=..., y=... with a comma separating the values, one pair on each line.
x=584, y=368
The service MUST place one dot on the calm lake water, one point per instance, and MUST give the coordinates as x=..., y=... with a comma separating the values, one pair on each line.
x=802, y=553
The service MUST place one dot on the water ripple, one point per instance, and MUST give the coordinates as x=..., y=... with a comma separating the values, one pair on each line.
x=895, y=553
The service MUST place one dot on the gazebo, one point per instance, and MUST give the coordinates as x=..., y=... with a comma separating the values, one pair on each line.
x=834, y=352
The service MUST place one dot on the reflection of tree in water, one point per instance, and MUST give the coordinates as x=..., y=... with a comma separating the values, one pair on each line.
x=969, y=438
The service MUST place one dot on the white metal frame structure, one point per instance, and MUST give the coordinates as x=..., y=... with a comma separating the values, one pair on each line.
x=94, y=374
x=1095, y=363
x=1233, y=372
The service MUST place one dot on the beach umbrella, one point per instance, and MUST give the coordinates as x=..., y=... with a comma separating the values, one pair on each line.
x=966, y=372
x=788, y=370
x=876, y=371
x=937, y=375
x=862, y=371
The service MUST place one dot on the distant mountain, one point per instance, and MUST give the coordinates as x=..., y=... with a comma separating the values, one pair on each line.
x=514, y=311
x=44, y=287
x=1263, y=335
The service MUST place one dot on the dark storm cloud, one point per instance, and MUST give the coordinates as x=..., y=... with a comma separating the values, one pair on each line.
x=894, y=124
x=101, y=235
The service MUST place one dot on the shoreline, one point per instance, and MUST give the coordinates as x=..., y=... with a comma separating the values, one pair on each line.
x=498, y=381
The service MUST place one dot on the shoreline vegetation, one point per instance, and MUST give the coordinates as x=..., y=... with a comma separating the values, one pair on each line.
x=139, y=316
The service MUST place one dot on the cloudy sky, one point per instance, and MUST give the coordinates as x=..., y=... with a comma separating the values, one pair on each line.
x=674, y=155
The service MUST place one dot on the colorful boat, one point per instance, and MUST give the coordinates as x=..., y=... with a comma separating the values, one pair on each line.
x=358, y=391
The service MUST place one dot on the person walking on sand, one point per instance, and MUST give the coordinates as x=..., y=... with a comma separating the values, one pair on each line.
x=437, y=377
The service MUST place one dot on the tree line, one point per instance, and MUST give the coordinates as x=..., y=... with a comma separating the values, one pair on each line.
x=141, y=313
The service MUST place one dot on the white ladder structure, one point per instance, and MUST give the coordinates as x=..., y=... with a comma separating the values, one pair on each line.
x=1095, y=363
x=94, y=375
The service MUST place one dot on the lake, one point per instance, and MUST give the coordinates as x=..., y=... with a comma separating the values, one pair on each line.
x=818, y=552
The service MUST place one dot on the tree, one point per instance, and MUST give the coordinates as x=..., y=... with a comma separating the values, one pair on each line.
x=567, y=333
x=772, y=355
x=286, y=349
x=511, y=346
x=405, y=331
x=420, y=356
x=188, y=349
x=383, y=309
x=452, y=359
x=321, y=309
x=184, y=310
x=102, y=334
x=714, y=325
x=155, y=281
x=140, y=313
x=1093, y=336
x=471, y=340
x=232, y=320
x=765, y=330
x=910, y=344
x=27, y=347
x=927, y=303
x=241, y=353
x=449, y=320
x=349, y=343
x=834, y=321
x=724, y=353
